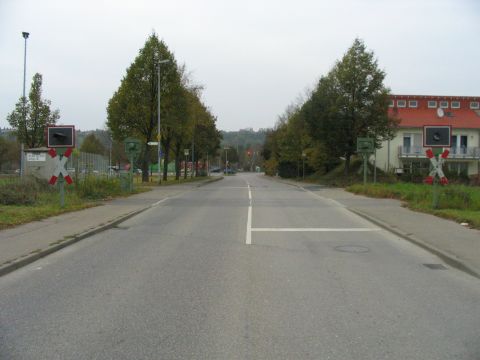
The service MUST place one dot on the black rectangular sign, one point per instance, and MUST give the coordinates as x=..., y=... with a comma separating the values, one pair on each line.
x=437, y=136
x=61, y=136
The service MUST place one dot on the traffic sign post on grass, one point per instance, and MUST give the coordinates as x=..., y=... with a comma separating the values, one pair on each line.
x=366, y=147
x=132, y=148
x=60, y=173
x=61, y=141
x=438, y=138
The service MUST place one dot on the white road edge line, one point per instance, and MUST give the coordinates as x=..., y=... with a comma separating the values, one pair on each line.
x=315, y=229
x=159, y=202
x=248, y=240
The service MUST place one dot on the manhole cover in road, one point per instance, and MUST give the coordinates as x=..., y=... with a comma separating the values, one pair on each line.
x=352, y=249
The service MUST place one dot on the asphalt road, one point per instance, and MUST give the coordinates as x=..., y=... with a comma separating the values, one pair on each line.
x=180, y=281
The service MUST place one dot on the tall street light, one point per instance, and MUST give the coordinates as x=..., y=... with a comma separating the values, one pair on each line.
x=159, y=148
x=226, y=160
x=22, y=160
x=303, y=164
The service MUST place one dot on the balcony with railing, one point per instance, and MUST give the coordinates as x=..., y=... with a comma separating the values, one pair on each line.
x=467, y=153
x=464, y=153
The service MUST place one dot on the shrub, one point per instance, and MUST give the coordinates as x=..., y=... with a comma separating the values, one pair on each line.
x=98, y=188
x=288, y=169
x=459, y=197
x=22, y=191
x=271, y=167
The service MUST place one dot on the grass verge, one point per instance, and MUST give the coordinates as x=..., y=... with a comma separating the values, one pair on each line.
x=456, y=202
x=170, y=181
x=47, y=205
x=30, y=200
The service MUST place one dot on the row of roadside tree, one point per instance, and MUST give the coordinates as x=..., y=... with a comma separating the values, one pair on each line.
x=186, y=122
x=350, y=101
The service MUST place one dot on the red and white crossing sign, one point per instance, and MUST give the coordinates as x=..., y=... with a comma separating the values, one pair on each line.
x=437, y=167
x=60, y=166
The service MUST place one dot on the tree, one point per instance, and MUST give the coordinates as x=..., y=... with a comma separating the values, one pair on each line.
x=207, y=139
x=351, y=102
x=132, y=110
x=178, y=129
x=205, y=136
x=31, y=116
x=9, y=154
x=91, y=144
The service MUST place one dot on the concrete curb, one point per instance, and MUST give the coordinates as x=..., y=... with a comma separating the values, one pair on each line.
x=60, y=244
x=209, y=181
x=450, y=259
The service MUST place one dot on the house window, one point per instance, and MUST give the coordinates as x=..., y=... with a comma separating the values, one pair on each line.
x=407, y=143
x=474, y=105
x=412, y=103
x=459, y=144
x=401, y=103
x=444, y=104
x=432, y=104
x=455, y=105
x=412, y=144
x=390, y=103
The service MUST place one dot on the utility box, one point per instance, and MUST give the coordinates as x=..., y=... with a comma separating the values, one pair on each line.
x=38, y=163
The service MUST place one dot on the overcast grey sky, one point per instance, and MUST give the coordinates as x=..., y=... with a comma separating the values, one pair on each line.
x=254, y=57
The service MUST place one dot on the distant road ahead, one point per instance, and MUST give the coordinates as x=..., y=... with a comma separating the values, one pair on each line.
x=180, y=281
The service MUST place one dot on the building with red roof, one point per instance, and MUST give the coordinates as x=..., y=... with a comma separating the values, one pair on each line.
x=406, y=152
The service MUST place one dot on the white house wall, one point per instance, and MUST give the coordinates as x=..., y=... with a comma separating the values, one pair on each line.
x=397, y=142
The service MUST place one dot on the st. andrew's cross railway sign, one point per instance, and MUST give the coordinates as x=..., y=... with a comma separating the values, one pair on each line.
x=60, y=166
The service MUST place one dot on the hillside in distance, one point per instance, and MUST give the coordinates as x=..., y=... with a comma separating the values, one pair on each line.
x=244, y=138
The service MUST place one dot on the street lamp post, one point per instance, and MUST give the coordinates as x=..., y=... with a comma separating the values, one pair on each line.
x=22, y=160
x=226, y=160
x=193, y=153
x=159, y=146
x=303, y=164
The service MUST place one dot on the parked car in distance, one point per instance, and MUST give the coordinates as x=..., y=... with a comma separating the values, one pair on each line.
x=229, y=171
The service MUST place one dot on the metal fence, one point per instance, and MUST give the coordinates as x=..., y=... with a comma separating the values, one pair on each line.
x=83, y=164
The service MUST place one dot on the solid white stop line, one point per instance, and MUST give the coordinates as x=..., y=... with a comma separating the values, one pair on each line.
x=315, y=229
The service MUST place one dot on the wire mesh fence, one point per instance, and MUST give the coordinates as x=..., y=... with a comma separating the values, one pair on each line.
x=81, y=164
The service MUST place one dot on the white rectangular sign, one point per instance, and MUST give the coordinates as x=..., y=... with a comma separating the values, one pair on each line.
x=36, y=157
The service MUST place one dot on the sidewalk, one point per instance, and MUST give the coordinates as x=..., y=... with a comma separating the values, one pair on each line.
x=457, y=245
x=26, y=243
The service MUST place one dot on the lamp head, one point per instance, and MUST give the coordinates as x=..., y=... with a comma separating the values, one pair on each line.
x=25, y=35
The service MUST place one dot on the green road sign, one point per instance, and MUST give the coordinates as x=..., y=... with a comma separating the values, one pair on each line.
x=132, y=147
x=365, y=145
